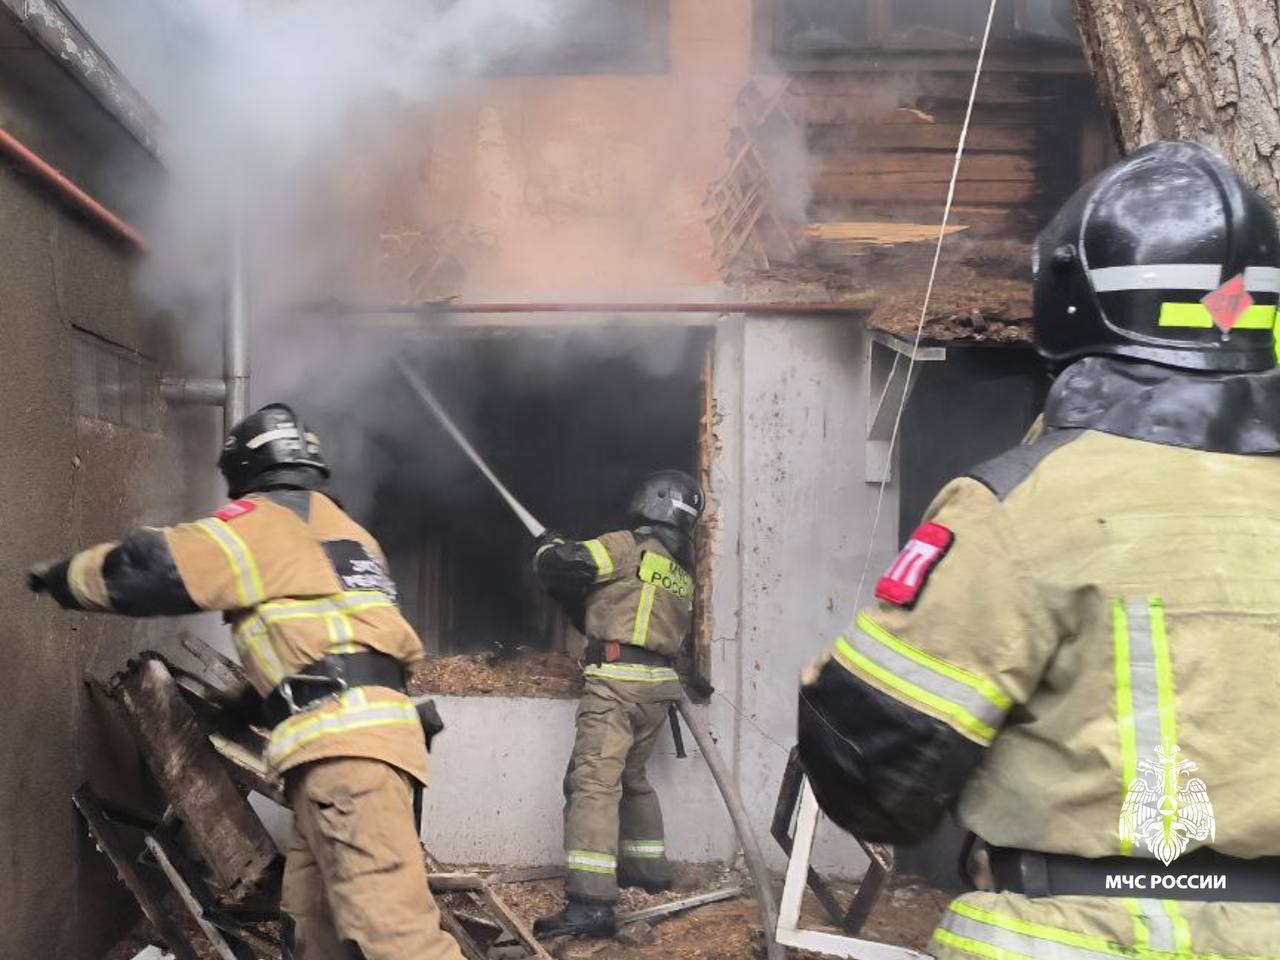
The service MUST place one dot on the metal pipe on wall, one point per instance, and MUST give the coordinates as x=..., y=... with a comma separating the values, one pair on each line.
x=64, y=187
x=194, y=391
x=236, y=340
x=452, y=307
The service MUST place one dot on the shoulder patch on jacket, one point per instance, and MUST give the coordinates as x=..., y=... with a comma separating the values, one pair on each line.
x=1005, y=473
x=236, y=508
x=905, y=579
x=358, y=569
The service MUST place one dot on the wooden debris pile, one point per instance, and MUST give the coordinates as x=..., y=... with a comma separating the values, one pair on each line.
x=207, y=853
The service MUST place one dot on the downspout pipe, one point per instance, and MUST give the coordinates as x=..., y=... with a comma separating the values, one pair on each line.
x=231, y=391
x=236, y=341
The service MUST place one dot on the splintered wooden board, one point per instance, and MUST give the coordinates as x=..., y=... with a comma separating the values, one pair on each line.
x=876, y=232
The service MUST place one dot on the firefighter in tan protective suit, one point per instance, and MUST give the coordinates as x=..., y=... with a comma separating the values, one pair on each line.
x=1082, y=642
x=314, y=618
x=637, y=588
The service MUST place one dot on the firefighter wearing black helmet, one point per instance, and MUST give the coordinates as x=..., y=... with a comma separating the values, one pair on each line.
x=313, y=615
x=1078, y=647
x=637, y=587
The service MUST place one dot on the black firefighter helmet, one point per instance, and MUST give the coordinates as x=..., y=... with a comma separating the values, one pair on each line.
x=1167, y=257
x=668, y=497
x=271, y=448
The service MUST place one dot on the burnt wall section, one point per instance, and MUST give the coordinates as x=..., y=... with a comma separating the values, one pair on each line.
x=71, y=475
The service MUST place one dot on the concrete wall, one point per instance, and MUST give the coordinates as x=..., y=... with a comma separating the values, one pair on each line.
x=792, y=517
x=794, y=532
x=66, y=481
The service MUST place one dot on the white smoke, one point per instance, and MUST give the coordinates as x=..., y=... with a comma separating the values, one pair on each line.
x=303, y=125
x=283, y=116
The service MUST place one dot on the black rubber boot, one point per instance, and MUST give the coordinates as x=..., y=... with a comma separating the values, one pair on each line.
x=579, y=918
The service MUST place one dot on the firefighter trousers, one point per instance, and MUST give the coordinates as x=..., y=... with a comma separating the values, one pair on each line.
x=355, y=883
x=612, y=818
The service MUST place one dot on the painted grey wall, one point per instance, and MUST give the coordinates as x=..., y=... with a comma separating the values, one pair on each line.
x=68, y=480
x=792, y=519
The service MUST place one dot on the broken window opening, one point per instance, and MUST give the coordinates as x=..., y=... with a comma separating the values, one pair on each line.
x=570, y=422
x=617, y=37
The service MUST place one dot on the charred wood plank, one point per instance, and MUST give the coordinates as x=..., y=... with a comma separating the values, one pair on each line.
x=845, y=187
x=452, y=882
x=526, y=874
x=107, y=837
x=1001, y=137
x=226, y=832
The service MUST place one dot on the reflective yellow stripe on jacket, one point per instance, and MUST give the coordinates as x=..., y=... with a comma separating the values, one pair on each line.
x=637, y=672
x=644, y=614
x=999, y=936
x=354, y=710
x=253, y=638
x=1145, y=699
x=972, y=705
x=600, y=556
x=249, y=588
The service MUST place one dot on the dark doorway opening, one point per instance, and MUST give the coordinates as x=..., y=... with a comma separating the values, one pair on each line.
x=570, y=421
x=973, y=406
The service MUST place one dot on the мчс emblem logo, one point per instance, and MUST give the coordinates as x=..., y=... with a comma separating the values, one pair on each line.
x=1165, y=808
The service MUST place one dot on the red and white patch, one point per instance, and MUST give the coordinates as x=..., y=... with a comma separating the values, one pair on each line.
x=904, y=581
x=1228, y=303
x=236, y=508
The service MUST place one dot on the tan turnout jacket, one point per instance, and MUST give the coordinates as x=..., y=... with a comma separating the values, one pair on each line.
x=297, y=579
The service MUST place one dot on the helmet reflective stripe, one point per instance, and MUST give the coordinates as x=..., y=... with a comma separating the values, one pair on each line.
x=1197, y=316
x=286, y=432
x=1179, y=276
x=681, y=505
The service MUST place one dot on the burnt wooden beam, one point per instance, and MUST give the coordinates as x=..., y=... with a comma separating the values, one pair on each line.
x=106, y=835
x=223, y=827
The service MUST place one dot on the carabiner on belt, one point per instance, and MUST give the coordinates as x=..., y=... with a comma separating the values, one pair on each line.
x=337, y=684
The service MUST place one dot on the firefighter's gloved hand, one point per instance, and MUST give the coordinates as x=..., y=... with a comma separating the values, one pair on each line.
x=700, y=686
x=549, y=538
x=51, y=578
x=37, y=581
x=244, y=707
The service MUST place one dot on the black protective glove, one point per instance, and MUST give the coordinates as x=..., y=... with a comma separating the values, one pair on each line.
x=700, y=686
x=51, y=578
x=244, y=707
x=548, y=538
x=36, y=578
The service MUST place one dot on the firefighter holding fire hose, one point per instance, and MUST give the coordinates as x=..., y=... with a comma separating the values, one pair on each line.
x=1082, y=641
x=313, y=614
x=637, y=589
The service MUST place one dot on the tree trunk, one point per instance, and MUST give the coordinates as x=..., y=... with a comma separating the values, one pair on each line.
x=1203, y=70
